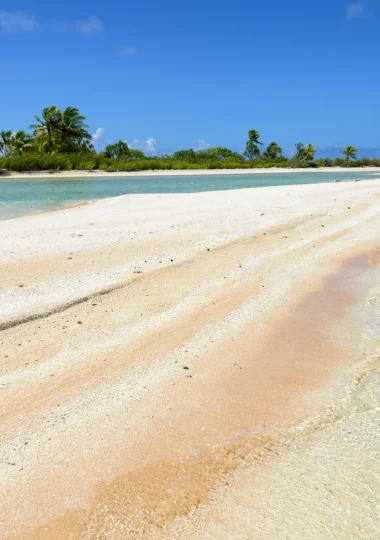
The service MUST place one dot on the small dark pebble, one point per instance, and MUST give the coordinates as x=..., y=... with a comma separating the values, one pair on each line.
x=79, y=322
x=185, y=367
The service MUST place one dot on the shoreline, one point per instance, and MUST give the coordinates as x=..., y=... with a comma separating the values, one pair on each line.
x=85, y=202
x=147, y=337
x=12, y=175
x=298, y=480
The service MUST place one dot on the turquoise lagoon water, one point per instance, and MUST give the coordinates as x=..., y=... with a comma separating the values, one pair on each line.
x=30, y=196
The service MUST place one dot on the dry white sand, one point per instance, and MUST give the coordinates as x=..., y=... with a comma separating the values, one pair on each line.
x=147, y=339
x=195, y=172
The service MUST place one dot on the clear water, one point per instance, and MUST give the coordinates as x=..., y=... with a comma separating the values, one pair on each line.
x=22, y=197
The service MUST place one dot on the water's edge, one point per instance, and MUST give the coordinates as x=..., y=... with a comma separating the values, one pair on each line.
x=37, y=195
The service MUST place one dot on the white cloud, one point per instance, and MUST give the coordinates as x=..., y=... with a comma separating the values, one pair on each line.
x=151, y=144
x=203, y=145
x=355, y=10
x=148, y=146
x=97, y=137
x=93, y=25
x=17, y=21
x=128, y=51
x=99, y=133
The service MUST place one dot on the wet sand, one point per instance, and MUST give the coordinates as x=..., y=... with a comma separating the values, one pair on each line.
x=318, y=477
x=161, y=355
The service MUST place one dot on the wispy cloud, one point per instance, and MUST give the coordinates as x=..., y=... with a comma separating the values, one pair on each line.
x=149, y=145
x=92, y=25
x=127, y=51
x=356, y=10
x=202, y=145
x=97, y=137
x=17, y=21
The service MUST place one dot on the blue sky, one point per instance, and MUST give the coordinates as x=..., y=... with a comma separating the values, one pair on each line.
x=168, y=75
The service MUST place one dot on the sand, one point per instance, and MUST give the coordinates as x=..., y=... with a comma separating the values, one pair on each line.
x=192, y=366
x=195, y=172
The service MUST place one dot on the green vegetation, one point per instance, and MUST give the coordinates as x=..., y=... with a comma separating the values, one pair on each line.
x=252, y=149
x=305, y=153
x=350, y=152
x=273, y=152
x=121, y=151
x=60, y=140
x=61, y=132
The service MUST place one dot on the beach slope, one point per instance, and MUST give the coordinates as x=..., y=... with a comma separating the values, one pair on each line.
x=169, y=362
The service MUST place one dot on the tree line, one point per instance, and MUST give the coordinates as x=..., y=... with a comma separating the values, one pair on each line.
x=59, y=140
x=274, y=151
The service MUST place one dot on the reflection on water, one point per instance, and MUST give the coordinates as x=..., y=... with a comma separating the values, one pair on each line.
x=22, y=197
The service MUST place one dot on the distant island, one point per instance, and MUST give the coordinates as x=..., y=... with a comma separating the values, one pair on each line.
x=60, y=141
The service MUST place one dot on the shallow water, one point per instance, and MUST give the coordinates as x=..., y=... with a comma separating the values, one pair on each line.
x=316, y=477
x=30, y=196
x=319, y=477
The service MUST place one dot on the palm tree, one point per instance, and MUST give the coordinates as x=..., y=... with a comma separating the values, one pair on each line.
x=300, y=150
x=20, y=142
x=5, y=138
x=350, y=152
x=273, y=151
x=254, y=136
x=305, y=153
x=251, y=150
x=46, y=129
x=72, y=128
x=48, y=124
x=64, y=131
x=309, y=152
